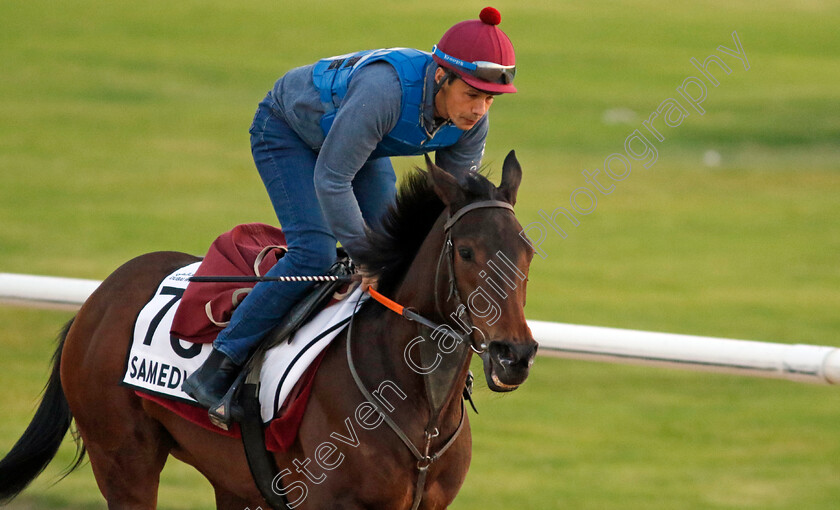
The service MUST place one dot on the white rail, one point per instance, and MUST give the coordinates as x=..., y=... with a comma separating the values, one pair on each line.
x=45, y=291
x=795, y=362
x=801, y=363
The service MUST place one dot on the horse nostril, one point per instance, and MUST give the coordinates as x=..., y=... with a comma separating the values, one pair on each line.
x=529, y=352
x=503, y=353
x=511, y=355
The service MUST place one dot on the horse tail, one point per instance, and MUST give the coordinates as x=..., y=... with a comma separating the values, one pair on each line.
x=40, y=442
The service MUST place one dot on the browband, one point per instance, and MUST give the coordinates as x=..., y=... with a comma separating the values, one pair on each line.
x=477, y=205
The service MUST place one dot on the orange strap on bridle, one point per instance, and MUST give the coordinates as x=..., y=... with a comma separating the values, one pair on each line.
x=410, y=314
x=388, y=303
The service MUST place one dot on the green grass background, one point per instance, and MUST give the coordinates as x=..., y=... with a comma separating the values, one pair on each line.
x=123, y=130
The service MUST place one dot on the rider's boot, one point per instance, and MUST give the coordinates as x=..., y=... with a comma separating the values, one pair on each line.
x=212, y=380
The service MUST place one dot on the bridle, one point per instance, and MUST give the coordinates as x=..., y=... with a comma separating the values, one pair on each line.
x=426, y=458
x=448, y=253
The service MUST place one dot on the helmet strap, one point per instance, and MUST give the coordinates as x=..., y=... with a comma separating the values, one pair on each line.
x=447, y=76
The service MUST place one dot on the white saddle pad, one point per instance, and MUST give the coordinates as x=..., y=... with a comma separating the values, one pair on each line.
x=158, y=362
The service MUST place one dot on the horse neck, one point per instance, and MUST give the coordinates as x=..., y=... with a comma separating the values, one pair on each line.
x=388, y=335
x=419, y=285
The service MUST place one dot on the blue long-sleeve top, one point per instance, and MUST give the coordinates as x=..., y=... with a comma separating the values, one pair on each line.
x=368, y=112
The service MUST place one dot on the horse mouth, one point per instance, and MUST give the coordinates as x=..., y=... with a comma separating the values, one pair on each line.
x=498, y=385
x=506, y=365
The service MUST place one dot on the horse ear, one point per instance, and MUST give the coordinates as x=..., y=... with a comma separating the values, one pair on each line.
x=511, y=177
x=445, y=185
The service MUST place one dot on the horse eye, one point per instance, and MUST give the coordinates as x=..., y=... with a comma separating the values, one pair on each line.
x=465, y=253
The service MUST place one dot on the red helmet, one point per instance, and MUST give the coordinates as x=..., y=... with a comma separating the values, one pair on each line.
x=479, y=53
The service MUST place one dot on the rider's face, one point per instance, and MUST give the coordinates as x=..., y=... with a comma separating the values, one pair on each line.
x=461, y=103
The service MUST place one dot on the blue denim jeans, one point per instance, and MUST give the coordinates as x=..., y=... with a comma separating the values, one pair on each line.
x=286, y=165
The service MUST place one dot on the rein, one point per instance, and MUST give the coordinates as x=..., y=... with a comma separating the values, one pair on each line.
x=425, y=458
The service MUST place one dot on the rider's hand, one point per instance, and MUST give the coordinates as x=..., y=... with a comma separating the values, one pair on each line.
x=368, y=280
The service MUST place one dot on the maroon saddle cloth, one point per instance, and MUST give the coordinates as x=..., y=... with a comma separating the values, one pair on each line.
x=247, y=250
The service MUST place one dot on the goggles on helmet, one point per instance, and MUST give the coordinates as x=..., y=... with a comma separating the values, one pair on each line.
x=490, y=72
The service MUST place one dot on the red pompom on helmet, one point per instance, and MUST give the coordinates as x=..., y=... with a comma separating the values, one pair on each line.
x=490, y=15
x=479, y=53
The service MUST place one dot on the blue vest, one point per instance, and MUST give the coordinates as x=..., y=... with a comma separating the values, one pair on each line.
x=332, y=77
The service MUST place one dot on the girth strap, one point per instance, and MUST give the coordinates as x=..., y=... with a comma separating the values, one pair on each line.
x=261, y=462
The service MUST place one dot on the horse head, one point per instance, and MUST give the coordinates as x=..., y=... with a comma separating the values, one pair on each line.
x=488, y=264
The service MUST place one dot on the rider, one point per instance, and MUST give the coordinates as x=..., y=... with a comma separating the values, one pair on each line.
x=321, y=139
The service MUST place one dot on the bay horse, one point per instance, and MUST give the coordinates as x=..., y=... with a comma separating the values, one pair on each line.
x=444, y=238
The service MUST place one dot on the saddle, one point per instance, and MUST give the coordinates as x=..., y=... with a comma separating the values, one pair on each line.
x=241, y=403
x=204, y=309
x=246, y=385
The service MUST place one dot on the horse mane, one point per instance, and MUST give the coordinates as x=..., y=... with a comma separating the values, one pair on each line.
x=389, y=249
